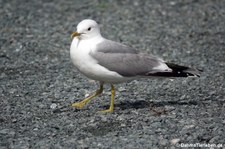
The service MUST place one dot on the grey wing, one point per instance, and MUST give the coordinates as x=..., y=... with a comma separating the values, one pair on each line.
x=108, y=46
x=124, y=60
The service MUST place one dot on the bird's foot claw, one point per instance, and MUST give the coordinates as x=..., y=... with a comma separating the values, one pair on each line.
x=107, y=111
x=78, y=105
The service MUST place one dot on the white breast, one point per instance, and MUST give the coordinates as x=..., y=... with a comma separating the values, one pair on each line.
x=79, y=53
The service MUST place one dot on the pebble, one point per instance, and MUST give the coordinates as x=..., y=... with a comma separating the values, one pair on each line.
x=53, y=106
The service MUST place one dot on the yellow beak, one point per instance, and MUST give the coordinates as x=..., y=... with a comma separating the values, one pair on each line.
x=75, y=34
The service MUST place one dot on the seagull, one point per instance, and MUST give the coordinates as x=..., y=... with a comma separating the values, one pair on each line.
x=111, y=62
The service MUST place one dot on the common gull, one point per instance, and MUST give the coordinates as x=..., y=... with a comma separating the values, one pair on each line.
x=111, y=62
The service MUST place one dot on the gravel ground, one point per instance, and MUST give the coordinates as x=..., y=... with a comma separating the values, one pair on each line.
x=38, y=80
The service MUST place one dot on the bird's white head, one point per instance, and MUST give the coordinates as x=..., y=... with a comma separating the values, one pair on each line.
x=87, y=29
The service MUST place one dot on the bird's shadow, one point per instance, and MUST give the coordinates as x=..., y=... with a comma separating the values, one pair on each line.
x=141, y=104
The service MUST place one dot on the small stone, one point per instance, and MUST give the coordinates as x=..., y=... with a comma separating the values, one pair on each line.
x=182, y=97
x=174, y=141
x=189, y=126
x=86, y=95
x=172, y=3
x=53, y=106
x=121, y=89
x=123, y=125
x=12, y=91
x=14, y=120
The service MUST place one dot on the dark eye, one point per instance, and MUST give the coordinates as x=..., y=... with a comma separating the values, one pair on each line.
x=89, y=29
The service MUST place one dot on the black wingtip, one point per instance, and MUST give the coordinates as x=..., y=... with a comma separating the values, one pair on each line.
x=178, y=71
x=183, y=71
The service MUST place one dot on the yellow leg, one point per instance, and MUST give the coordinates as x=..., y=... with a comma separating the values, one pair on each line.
x=82, y=103
x=113, y=92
